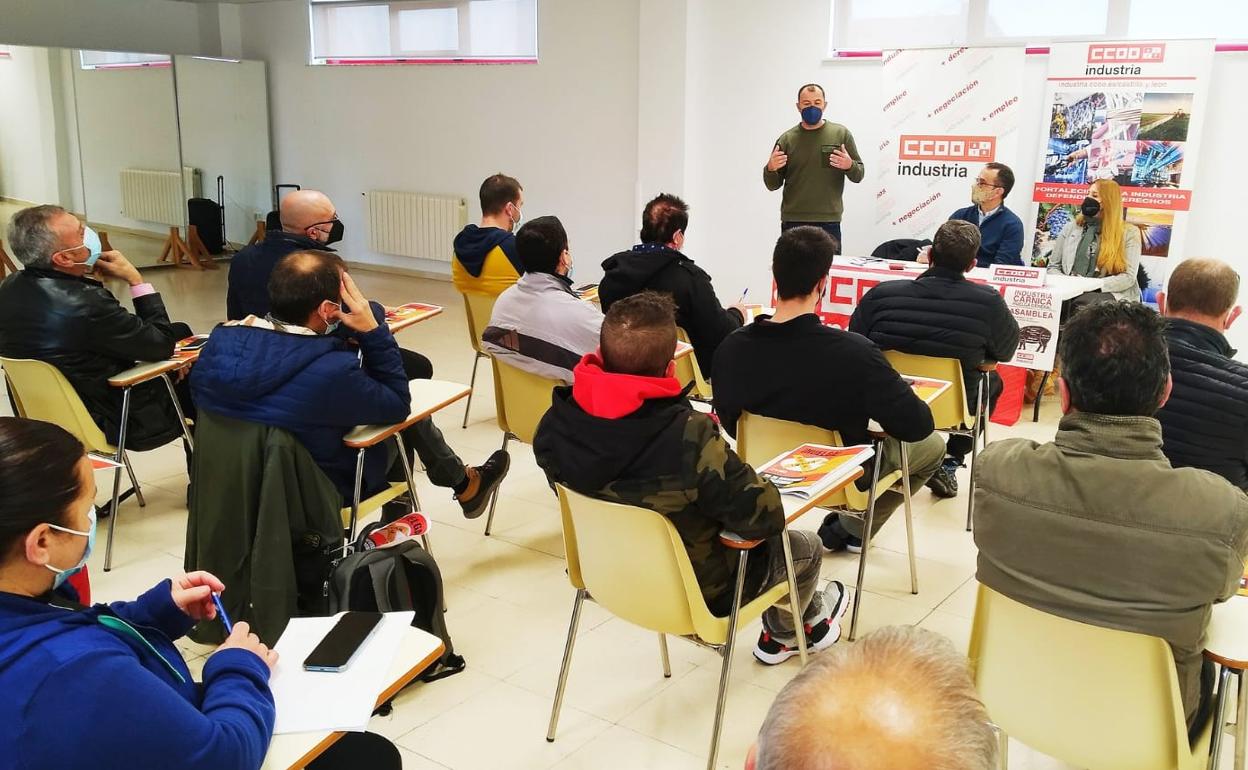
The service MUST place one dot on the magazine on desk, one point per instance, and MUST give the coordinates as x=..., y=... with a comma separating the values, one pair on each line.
x=189, y=345
x=927, y=389
x=410, y=310
x=810, y=469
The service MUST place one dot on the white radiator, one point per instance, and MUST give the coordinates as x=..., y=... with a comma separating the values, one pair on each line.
x=414, y=225
x=158, y=196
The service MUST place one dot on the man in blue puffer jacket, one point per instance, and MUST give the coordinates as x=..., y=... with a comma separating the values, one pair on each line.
x=289, y=371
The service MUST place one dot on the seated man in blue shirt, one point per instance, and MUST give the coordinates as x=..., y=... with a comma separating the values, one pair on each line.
x=1000, y=229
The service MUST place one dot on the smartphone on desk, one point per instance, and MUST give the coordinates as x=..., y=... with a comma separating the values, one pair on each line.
x=343, y=641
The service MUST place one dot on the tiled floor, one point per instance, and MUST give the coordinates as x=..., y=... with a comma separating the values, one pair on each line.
x=509, y=600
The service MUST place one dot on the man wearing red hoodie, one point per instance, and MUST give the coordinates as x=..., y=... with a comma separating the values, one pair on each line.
x=624, y=431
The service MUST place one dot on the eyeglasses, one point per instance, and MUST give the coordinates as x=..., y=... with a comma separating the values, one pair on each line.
x=982, y=183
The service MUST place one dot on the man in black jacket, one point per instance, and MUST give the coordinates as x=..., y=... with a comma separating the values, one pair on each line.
x=791, y=367
x=658, y=264
x=625, y=432
x=1205, y=422
x=54, y=311
x=943, y=315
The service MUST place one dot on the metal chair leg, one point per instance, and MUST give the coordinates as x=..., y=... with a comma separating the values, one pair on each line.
x=489, y=522
x=799, y=623
x=976, y=431
x=1241, y=721
x=120, y=457
x=905, y=491
x=355, y=502
x=867, y=524
x=667, y=661
x=411, y=490
x=134, y=481
x=567, y=662
x=177, y=407
x=1219, y=717
x=472, y=382
x=1035, y=407
x=1003, y=748
x=726, y=670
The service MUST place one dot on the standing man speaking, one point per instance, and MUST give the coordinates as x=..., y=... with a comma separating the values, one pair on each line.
x=811, y=161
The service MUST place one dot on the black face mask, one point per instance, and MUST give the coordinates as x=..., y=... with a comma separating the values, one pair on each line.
x=1090, y=207
x=336, y=229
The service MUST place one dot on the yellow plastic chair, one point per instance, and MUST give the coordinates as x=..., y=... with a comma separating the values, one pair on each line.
x=478, y=307
x=759, y=439
x=521, y=399
x=1090, y=696
x=950, y=412
x=687, y=371
x=632, y=562
x=41, y=392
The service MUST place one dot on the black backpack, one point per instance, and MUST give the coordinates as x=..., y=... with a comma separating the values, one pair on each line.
x=398, y=578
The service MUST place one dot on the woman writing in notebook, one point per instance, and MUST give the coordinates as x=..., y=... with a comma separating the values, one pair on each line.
x=104, y=686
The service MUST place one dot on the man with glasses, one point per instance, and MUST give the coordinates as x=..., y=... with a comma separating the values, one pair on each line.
x=58, y=311
x=1000, y=229
x=309, y=221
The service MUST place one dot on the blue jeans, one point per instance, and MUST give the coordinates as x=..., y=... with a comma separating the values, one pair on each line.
x=831, y=228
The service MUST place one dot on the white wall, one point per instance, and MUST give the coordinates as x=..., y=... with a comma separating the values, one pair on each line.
x=224, y=114
x=28, y=163
x=160, y=26
x=566, y=127
x=127, y=118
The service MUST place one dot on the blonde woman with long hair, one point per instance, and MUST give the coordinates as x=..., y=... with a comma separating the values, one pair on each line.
x=1100, y=243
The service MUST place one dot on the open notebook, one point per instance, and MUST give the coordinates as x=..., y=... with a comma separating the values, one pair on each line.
x=812, y=468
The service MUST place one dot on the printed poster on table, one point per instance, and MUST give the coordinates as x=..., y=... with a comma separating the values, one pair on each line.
x=1131, y=112
x=1037, y=310
x=946, y=112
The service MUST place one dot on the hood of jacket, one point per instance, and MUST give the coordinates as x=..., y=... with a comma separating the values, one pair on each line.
x=27, y=624
x=243, y=363
x=473, y=245
x=607, y=422
x=633, y=270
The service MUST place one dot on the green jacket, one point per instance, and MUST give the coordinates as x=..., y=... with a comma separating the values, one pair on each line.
x=265, y=520
x=1098, y=527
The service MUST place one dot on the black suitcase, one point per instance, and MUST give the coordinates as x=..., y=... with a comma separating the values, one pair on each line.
x=205, y=214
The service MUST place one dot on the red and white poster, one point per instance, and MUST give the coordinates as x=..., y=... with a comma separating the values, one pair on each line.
x=947, y=112
x=1131, y=112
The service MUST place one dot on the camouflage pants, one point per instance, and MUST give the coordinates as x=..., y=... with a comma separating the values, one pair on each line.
x=807, y=556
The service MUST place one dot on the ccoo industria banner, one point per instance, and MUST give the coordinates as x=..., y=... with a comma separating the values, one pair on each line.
x=1131, y=112
x=947, y=111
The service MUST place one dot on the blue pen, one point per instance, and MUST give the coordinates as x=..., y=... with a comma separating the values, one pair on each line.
x=225, y=619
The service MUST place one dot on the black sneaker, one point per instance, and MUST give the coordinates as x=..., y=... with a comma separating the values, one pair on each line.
x=819, y=636
x=832, y=534
x=853, y=544
x=482, y=481
x=944, y=482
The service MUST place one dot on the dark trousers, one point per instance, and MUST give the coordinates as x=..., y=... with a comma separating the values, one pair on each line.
x=359, y=750
x=959, y=446
x=831, y=228
x=442, y=465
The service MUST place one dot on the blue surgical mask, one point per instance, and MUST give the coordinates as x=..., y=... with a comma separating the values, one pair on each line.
x=64, y=574
x=90, y=242
x=332, y=326
x=811, y=115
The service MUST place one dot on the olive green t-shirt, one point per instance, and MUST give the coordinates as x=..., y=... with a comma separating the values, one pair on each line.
x=812, y=187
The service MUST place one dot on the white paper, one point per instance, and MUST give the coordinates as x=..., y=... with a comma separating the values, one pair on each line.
x=316, y=701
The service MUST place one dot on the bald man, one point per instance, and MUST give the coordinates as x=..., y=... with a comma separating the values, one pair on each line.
x=899, y=698
x=309, y=221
